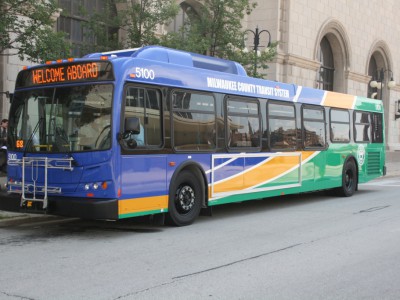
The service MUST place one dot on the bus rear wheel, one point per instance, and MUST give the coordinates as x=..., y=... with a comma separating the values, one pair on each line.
x=185, y=199
x=349, y=179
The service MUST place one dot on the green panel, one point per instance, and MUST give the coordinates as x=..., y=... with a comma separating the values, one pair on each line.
x=368, y=104
x=323, y=171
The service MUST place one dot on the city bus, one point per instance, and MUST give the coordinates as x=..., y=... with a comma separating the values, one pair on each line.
x=169, y=134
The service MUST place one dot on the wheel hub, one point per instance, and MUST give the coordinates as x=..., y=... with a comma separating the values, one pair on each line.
x=185, y=197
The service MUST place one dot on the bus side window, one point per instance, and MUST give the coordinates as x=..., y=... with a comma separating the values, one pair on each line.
x=144, y=104
x=243, y=123
x=282, y=126
x=377, y=128
x=313, y=123
x=362, y=127
x=194, y=121
x=340, y=125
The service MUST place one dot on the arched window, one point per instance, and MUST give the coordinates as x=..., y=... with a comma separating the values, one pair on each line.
x=74, y=21
x=188, y=11
x=326, y=72
x=372, y=71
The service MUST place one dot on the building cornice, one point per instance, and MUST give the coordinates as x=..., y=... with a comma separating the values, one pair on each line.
x=358, y=77
x=362, y=78
x=298, y=61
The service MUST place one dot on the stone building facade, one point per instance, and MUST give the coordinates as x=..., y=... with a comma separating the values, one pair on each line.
x=363, y=38
x=339, y=45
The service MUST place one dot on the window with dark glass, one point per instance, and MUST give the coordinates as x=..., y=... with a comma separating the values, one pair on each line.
x=75, y=19
x=362, y=127
x=326, y=72
x=282, y=126
x=243, y=123
x=372, y=71
x=194, y=126
x=340, y=126
x=145, y=104
x=313, y=127
x=377, y=128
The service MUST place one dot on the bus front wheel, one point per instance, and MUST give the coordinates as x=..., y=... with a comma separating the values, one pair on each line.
x=349, y=179
x=185, y=199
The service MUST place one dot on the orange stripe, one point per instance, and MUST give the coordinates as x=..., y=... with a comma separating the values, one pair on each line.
x=339, y=100
x=128, y=206
x=262, y=173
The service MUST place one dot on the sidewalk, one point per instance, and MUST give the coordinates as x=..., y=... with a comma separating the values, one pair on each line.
x=393, y=163
x=392, y=166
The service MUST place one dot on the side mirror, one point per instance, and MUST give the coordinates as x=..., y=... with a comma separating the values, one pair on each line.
x=132, y=125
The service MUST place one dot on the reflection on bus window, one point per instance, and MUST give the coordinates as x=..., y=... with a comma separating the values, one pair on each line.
x=282, y=126
x=362, y=127
x=340, y=126
x=243, y=124
x=313, y=127
x=377, y=128
x=193, y=121
x=62, y=119
x=145, y=104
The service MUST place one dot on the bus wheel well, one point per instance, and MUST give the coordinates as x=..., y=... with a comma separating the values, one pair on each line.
x=186, y=196
x=201, y=176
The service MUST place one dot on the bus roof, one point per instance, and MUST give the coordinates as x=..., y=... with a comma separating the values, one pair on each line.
x=181, y=69
x=177, y=57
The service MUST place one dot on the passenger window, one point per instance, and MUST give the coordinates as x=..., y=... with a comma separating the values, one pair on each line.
x=377, y=128
x=193, y=121
x=313, y=127
x=362, y=127
x=243, y=123
x=145, y=104
x=340, y=126
x=282, y=126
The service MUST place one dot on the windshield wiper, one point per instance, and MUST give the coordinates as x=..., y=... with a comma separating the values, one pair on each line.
x=30, y=140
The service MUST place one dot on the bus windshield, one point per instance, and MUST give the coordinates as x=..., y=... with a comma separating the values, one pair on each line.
x=61, y=119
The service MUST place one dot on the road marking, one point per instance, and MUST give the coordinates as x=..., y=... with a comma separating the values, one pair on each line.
x=371, y=209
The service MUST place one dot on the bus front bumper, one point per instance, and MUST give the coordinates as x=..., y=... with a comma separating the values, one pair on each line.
x=85, y=208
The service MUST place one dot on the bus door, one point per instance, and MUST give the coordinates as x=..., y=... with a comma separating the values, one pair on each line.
x=143, y=167
x=339, y=146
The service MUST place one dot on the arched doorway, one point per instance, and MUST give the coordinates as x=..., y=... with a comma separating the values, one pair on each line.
x=332, y=50
x=379, y=67
x=327, y=69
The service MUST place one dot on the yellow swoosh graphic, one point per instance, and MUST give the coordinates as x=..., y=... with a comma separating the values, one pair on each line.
x=271, y=168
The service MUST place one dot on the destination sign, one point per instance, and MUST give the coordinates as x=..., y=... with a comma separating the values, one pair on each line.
x=64, y=73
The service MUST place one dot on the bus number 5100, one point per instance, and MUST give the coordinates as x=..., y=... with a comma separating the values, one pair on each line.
x=144, y=73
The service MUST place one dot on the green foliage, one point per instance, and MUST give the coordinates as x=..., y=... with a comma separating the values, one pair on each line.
x=26, y=30
x=136, y=20
x=101, y=29
x=142, y=19
x=255, y=63
x=215, y=29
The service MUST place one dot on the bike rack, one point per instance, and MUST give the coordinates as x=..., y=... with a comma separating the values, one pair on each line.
x=29, y=188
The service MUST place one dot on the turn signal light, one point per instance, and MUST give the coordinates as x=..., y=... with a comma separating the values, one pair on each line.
x=104, y=185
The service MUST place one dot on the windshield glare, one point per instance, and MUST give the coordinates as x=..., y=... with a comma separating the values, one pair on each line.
x=64, y=119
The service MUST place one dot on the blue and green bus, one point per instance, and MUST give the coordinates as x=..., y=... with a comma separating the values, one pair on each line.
x=157, y=131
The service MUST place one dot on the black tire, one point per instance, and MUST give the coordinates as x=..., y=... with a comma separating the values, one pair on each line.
x=349, y=179
x=185, y=199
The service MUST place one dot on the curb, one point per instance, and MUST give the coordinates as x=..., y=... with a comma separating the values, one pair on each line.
x=6, y=219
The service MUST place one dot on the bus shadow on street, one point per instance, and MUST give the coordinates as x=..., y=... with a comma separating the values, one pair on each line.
x=279, y=202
